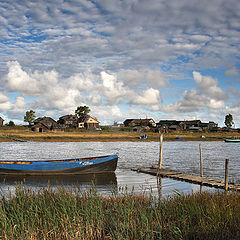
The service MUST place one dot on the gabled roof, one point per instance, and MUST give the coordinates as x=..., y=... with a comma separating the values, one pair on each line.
x=69, y=117
x=47, y=121
x=144, y=120
x=84, y=119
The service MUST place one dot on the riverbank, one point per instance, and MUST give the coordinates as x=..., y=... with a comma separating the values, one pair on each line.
x=24, y=134
x=61, y=214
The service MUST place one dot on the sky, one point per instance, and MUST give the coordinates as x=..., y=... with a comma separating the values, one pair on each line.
x=160, y=59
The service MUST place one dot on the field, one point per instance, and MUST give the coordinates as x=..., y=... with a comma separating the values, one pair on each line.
x=24, y=134
x=61, y=214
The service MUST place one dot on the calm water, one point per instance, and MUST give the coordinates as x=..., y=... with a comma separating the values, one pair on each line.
x=181, y=156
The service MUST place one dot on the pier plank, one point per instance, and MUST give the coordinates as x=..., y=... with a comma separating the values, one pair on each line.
x=188, y=178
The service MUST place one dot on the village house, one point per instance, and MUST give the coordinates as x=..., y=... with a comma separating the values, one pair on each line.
x=148, y=122
x=69, y=121
x=1, y=121
x=45, y=124
x=191, y=125
x=88, y=122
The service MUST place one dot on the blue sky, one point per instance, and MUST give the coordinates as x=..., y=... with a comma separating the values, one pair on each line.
x=124, y=59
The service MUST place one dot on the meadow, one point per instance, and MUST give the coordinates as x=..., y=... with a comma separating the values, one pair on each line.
x=61, y=214
x=107, y=134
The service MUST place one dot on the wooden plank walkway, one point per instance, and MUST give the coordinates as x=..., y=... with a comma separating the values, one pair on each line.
x=188, y=178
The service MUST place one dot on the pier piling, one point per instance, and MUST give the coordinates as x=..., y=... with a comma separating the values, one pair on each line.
x=160, y=152
x=201, y=161
x=226, y=174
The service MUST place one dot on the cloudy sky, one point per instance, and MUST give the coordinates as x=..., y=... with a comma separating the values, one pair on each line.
x=161, y=59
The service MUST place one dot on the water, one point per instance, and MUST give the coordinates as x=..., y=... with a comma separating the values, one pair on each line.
x=181, y=156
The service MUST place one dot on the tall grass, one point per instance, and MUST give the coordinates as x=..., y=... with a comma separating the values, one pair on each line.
x=62, y=214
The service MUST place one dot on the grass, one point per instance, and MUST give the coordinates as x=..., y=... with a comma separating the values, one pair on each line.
x=62, y=214
x=24, y=133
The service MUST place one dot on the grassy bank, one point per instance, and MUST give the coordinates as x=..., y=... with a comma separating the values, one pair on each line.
x=24, y=134
x=88, y=215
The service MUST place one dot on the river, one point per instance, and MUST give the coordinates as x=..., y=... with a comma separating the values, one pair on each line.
x=181, y=156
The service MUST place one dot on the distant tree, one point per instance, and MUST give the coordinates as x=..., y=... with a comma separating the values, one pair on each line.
x=29, y=117
x=82, y=111
x=229, y=120
x=11, y=124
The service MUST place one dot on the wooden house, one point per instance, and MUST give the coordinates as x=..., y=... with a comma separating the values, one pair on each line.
x=139, y=122
x=45, y=124
x=191, y=125
x=69, y=121
x=88, y=122
x=1, y=121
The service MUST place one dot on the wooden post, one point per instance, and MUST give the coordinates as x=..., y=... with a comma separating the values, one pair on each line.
x=226, y=174
x=160, y=152
x=201, y=161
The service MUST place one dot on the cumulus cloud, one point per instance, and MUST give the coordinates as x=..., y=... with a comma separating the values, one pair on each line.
x=149, y=97
x=208, y=86
x=113, y=90
x=207, y=95
x=52, y=93
x=134, y=77
x=140, y=47
x=5, y=103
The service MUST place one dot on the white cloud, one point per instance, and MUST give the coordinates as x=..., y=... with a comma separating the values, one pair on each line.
x=113, y=90
x=19, y=105
x=207, y=95
x=5, y=103
x=18, y=80
x=135, y=77
x=208, y=86
x=149, y=97
x=83, y=81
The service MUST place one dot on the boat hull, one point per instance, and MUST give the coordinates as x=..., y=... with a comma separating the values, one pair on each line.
x=232, y=140
x=60, y=167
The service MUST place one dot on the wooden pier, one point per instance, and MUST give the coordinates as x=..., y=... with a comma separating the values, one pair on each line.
x=188, y=178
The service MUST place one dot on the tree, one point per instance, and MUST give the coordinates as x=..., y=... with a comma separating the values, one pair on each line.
x=29, y=117
x=229, y=120
x=82, y=111
x=11, y=124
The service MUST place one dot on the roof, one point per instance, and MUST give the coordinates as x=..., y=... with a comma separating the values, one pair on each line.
x=69, y=117
x=84, y=119
x=144, y=120
x=47, y=121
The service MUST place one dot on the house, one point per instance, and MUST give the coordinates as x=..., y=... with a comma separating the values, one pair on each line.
x=1, y=121
x=168, y=124
x=88, y=122
x=139, y=122
x=69, y=121
x=45, y=124
x=191, y=125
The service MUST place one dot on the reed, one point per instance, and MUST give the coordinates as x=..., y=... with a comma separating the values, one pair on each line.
x=61, y=214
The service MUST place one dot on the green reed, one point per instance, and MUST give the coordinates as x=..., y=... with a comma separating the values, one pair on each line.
x=62, y=214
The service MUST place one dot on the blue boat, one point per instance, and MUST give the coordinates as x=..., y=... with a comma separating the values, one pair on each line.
x=60, y=167
x=232, y=140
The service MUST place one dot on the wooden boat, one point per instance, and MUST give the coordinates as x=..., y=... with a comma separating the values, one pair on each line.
x=232, y=140
x=60, y=167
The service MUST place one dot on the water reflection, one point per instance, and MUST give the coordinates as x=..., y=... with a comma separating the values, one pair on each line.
x=104, y=182
x=181, y=156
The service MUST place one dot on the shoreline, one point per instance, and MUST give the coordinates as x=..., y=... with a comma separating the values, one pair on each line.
x=24, y=134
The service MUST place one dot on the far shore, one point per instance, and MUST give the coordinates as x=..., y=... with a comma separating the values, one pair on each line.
x=14, y=134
